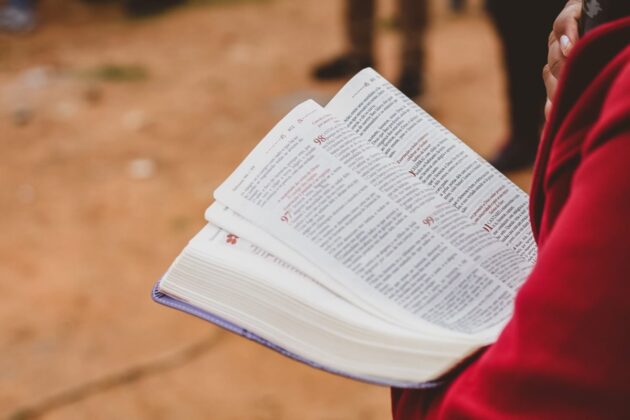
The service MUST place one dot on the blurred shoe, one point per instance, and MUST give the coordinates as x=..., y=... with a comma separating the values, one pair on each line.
x=16, y=19
x=411, y=83
x=145, y=8
x=515, y=155
x=339, y=67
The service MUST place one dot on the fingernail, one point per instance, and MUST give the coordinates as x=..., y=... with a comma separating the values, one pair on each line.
x=565, y=45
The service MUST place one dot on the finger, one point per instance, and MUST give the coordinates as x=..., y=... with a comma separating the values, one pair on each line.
x=551, y=83
x=555, y=59
x=565, y=26
x=565, y=45
x=567, y=20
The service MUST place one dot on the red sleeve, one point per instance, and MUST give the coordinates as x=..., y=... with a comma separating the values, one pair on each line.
x=566, y=352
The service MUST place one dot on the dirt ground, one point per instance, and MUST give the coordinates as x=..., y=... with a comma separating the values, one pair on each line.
x=113, y=135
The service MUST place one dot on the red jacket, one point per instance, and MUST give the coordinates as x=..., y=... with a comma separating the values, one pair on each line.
x=565, y=354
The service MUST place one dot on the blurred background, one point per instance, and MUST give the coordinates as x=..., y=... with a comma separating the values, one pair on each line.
x=114, y=131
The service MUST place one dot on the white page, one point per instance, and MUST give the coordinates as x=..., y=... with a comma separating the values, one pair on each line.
x=225, y=218
x=222, y=274
x=211, y=236
x=326, y=193
x=283, y=277
x=382, y=115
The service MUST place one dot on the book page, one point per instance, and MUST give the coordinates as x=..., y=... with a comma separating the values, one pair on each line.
x=323, y=191
x=228, y=220
x=381, y=114
x=225, y=218
x=284, y=278
x=232, y=279
x=211, y=236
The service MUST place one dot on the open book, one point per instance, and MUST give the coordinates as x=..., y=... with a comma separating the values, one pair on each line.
x=362, y=238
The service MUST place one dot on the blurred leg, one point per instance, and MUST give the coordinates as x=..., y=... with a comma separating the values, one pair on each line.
x=457, y=5
x=21, y=4
x=360, y=33
x=413, y=22
x=140, y=8
x=523, y=28
x=360, y=26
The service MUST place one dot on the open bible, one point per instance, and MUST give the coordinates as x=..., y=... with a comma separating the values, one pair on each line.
x=362, y=238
